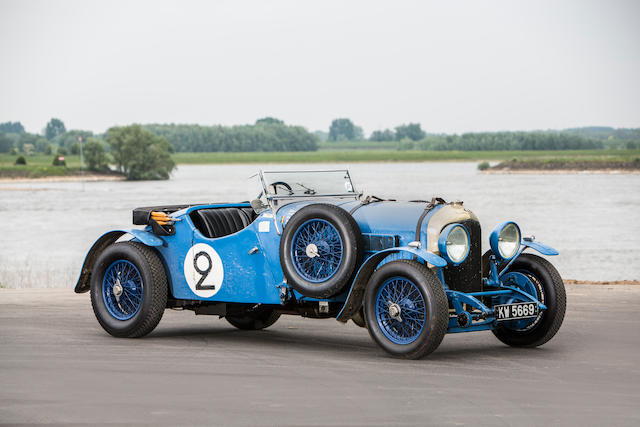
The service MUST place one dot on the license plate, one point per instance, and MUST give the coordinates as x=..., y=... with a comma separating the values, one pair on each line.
x=521, y=310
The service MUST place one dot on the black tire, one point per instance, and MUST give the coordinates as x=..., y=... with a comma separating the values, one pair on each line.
x=551, y=292
x=154, y=289
x=352, y=249
x=254, y=320
x=436, y=304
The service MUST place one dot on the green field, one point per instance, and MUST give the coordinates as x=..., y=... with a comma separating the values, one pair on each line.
x=354, y=156
x=40, y=165
x=37, y=166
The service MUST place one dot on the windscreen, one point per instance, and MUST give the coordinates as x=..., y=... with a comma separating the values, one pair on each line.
x=308, y=183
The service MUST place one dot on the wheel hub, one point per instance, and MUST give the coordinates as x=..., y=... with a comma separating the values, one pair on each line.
x=311, y=250
x=395, y=311
x=117, y=289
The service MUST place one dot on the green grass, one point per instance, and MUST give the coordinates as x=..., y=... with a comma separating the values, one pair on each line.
x=39, y=165
x=358, y=145
x=354, y=156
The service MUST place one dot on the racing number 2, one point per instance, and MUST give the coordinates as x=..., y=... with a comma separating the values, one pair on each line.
x=203, y=272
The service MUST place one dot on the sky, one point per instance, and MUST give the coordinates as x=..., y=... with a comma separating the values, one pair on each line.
x=453, y=66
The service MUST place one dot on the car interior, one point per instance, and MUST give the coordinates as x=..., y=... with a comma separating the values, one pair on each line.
x=220, y=222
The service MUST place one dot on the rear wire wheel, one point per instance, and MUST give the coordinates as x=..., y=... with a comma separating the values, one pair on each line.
x=128, y=289
x=406, y=309
x=254, y=320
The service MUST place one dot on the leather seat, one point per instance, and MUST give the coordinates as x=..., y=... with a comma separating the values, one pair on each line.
x=219, y=222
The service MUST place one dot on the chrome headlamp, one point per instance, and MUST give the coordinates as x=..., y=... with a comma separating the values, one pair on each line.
x=505, y=240
x=453, y=243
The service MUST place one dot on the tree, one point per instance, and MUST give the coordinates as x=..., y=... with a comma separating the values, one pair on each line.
x=322, y=135
x=269, y=121
x=95, y=155
x=382, y=135
x=70, y=137
x=54, y=128
x=411, y=131
x=343, y=130
x=42, y=144
x=5, y=143
x=29, y=149
x=261, y=137
x=27, y=138
x=11, y=127
x=140, y=154
x=358, y=134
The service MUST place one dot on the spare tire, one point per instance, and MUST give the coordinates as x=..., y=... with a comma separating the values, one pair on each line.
x=320, y=248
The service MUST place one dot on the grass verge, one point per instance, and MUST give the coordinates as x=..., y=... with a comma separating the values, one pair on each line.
x=361, y=155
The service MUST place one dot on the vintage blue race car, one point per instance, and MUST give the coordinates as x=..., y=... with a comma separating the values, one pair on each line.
x=309, y=244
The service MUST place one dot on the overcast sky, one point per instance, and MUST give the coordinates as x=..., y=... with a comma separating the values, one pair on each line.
x=453, y=66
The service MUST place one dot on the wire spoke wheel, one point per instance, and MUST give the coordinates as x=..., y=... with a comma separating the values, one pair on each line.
x=317, y=250
x=401, y=312
x=122, y=289
x=321, y=246
x=128, y=289
x=541, y=279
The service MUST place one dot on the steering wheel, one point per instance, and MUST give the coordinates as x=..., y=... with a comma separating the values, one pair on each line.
x=282, y=183
x=275, y=188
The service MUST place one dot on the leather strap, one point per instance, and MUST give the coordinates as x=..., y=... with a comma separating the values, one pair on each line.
x=367, y=200
x=432, y=204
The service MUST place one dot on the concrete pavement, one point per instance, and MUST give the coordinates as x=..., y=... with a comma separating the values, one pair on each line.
x=58, y=366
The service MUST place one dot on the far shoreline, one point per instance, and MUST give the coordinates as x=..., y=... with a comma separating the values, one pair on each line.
x=561, y=171
x=89, y=177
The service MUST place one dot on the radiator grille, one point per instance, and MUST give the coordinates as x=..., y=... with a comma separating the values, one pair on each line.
x=467, y=277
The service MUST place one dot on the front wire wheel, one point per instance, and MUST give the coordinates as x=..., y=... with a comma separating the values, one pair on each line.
x=549, y=289
x=406, y=309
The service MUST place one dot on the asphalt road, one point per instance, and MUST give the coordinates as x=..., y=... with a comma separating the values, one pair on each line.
x=58, y=366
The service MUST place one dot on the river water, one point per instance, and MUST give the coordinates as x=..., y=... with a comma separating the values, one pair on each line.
x=592, y=219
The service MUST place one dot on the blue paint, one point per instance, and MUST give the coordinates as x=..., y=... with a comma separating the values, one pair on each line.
x=495, y=234
x=122, y=289
x=327, y=249
x=252, y=273
x=401, y=311
x=540, y=247
x=442, y=242
x=146, y=237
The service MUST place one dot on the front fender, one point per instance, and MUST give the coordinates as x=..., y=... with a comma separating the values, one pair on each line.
x=107, y=239
x=356, y=293
x=540, y=247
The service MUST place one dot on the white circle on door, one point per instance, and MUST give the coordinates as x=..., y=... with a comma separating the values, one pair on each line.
x=203, y=270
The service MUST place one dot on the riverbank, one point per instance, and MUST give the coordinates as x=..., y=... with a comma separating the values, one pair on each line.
x=613, y=165
x=87, y=177
x=54, y=174
x=548, y=161
x=385, y=155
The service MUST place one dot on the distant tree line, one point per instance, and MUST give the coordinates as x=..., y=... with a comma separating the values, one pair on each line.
x=272, y=134
x=266, y=134
x=488, y=141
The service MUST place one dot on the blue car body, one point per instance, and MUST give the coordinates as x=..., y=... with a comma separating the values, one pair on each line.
x=244, y=267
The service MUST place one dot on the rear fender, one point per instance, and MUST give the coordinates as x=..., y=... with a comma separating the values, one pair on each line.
x=107, y=239
x=356, y=293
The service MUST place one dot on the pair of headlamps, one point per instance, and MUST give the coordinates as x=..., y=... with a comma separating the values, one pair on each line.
x=454, y=242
